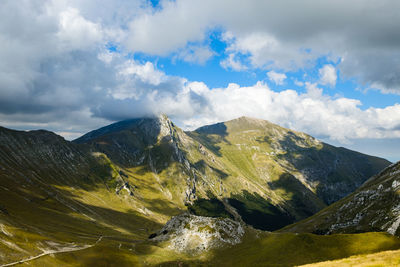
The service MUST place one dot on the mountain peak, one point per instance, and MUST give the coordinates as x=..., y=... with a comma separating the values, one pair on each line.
x=242, y=123
x=247, y=119
x=153, y=127
x=125, y=141
x=44, y=135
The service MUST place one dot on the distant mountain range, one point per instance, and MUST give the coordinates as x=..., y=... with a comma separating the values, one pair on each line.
x=126, y=180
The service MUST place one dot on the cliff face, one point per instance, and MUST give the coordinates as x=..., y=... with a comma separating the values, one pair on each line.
x=373, y=207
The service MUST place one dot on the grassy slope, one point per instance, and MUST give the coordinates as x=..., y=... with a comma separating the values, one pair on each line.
x=380, y=259
x=263, y=250
x=294, y=249
x=250, y=171
x=291, y=171
x=65, y=195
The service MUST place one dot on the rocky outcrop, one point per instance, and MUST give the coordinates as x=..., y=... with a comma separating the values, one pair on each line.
x=195, y=234
x=127, y=187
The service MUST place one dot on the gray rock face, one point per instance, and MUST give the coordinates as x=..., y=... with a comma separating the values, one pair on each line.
x=195, y=234
x=128, y=142
x=375, y=206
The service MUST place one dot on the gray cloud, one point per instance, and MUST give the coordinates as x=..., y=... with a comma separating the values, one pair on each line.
x=56, y=72
x=286, y=34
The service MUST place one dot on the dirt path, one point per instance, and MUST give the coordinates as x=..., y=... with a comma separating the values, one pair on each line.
x=63, y=250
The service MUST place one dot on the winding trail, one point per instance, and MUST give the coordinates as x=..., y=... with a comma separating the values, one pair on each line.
x=63, y=250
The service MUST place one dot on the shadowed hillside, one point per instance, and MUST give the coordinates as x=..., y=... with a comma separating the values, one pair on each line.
x=372, y=207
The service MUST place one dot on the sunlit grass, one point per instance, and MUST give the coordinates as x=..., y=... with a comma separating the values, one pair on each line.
x=381, y=259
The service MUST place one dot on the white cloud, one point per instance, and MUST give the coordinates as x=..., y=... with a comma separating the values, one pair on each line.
x=232, y=63
x=145, y=72
x=298, y=83
x=284, y=35
x=277, y=78
x=165, y=31
x=327, y=75
x=75, y=32
x=266, y=51
x=195, y=54
x=339, y=119
x=313, y=91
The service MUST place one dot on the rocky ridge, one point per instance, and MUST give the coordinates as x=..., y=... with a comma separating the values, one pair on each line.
x=373, y=207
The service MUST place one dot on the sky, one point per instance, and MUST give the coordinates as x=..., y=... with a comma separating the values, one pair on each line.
x=328, y=68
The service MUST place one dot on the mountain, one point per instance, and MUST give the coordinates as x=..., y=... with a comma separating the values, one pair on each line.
x=372, y=207
x=295, y=171
x=328, y=171
x=247, y=169
x=107, y=192
x=57, y=196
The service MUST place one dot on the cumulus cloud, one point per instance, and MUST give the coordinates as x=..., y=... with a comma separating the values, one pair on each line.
x=287, y=35
x=55, y=67
x=339, y=119
x=75, y=32
x=171, y=28
x=231, y=63
x=327, y=75
x=266, y=51
x=298, y=83
x=277, y=78
x=195, y=54
x=57, y=73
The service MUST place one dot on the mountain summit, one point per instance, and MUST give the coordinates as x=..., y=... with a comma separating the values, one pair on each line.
x=125, y=141
x=149, y=129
